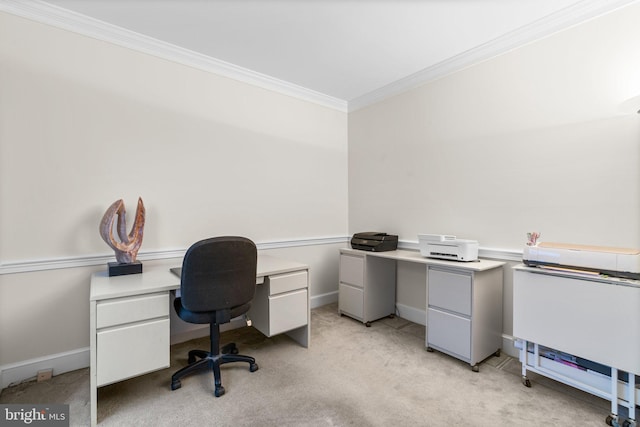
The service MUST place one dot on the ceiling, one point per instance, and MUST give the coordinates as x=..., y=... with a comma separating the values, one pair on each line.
x=348, y=50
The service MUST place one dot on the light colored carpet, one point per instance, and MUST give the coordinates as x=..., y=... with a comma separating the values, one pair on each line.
x=350, y=376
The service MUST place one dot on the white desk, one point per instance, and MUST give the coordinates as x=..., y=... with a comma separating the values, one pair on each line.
x=464, y=299
x=129, y=317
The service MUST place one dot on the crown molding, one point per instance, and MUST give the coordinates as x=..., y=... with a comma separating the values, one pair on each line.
x=48, y=14
x=65, y=19
x=566, y=18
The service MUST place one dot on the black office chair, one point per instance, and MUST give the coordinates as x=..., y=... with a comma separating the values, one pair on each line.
x=218, y=282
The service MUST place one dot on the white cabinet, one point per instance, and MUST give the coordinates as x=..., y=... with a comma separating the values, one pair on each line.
x=590, y=317
x=281, y=303
x=132, y=336
x=464, y=314
x=351, y=286
x=367, y=289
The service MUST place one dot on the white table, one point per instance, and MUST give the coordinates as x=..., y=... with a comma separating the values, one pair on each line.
x=129, y=317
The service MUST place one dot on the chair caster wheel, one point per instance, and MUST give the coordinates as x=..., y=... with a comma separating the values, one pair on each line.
x=175, y=385
x=219, y=391
x=230, y=348
x=253, y=367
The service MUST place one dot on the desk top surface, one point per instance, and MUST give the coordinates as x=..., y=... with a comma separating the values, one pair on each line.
x=160, y=279
x=415, y=256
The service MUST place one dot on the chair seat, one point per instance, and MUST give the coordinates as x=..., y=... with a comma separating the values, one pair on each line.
x=208, y=316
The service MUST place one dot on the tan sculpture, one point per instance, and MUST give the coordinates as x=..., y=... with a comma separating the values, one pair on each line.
x=127, y=248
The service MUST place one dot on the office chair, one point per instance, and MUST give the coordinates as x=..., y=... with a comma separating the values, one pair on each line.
x=218, y=282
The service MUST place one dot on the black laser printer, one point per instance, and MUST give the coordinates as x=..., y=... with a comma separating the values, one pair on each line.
x=374, y=241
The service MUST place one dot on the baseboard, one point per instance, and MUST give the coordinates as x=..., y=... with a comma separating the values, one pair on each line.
x=508, y=346
x=324, y=299
x=412, y=314
x=27, y=370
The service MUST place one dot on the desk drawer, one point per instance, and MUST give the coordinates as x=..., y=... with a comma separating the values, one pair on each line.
x=352, y=270
x=450, y=290
x=131, y=309
x=132, y=350
x=287, y=282
x=287, y=311
x=449, y=332
x=351, y=301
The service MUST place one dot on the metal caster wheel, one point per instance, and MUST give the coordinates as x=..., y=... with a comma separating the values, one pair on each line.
x=526, y=382
x=497, y=353
x=368, y=324
x=475, y=368
x=391, y=316
x=175, y=385
x=429, y=349
x=629, y=423
x=612, y=420
x=253, y=367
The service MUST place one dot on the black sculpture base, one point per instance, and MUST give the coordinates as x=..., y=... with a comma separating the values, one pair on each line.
x=120, y=269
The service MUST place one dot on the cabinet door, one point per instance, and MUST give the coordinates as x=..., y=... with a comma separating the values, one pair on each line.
x=131, y=350
x=287, y=311
x=352, y=270
x=351, y=300
x=450, y=290
x=449, y=332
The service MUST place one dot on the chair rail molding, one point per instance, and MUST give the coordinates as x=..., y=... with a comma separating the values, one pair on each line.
x=27, y=266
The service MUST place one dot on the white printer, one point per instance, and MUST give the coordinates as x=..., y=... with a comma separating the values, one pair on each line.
x=447, y=247
x=616, y=262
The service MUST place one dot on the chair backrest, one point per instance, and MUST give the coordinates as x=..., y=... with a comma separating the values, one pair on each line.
x=218, y=273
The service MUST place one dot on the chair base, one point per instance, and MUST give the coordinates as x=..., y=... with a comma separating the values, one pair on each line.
x=229, y=353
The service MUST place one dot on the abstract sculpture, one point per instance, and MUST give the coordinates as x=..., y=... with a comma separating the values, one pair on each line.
x=127, y=248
